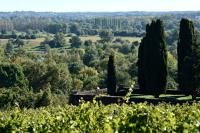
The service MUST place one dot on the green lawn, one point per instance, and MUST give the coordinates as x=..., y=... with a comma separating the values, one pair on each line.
x=34, y=44
x=96, y=38
x=164, y=97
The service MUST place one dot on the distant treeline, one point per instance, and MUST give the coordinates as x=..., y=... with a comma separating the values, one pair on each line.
x=121, y=24
x=14, y=36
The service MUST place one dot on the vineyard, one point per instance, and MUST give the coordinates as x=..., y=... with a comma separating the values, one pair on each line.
x=94, y=117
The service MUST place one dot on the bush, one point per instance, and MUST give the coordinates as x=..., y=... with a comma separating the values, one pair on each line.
x=40, y=75
x=11, y=75
x=24, y=98
x=45, y=99
x=75, y=42
x=33, y=36
x=17, y=97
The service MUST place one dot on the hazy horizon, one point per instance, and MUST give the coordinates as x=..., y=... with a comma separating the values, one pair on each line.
x=99, y=5
x=95, y=11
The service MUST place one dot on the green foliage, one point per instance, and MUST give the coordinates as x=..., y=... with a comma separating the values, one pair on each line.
x=171, y=36
x=75, y=67
x=152, y=60
x=40, y=75
x=75, y=42
x=88, y=43
x=90, y=55
x=90, y=117
x=47, y=48
x=75, y=28
x=77, y=84
x=19, y=42
x=123, y=78
x=13, y=97
x=56, y=27
x=9, y=48
x=11, y=75
x=45, y=99
x=172, y=70
x=24, y=98
x=106, y=36
x=89, y=76
x=125, y=49
x=58, y=41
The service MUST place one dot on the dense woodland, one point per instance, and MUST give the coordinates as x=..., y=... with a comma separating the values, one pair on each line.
x=46, y=56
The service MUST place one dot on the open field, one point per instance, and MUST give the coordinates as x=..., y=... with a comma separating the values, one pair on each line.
x=34, y=44
x=96, y=38
x=83, y=38
x=30, y=41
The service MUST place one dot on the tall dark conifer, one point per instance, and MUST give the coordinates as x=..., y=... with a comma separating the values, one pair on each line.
x=188, y=58
x=185, y=52
x=111, y=76
x=152, y=63
x=196, y=70
x=141, y=72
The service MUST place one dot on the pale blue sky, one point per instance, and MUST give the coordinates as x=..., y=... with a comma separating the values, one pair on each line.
x=99, y=5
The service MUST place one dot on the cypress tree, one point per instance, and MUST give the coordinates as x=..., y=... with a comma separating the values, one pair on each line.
x=195, y=70
x=152, y=62
x=141, y=74
x=111, y=76
x=188, y=59
x=186, y=56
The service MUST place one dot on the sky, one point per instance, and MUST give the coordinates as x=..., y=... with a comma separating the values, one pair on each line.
x=99, y=5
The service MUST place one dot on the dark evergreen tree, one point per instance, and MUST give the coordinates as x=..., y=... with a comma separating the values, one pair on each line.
x=188, y=58
x=111, y=76
x=195, y=70
x=152, y=60
x=186, y=55
x=141, y=73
